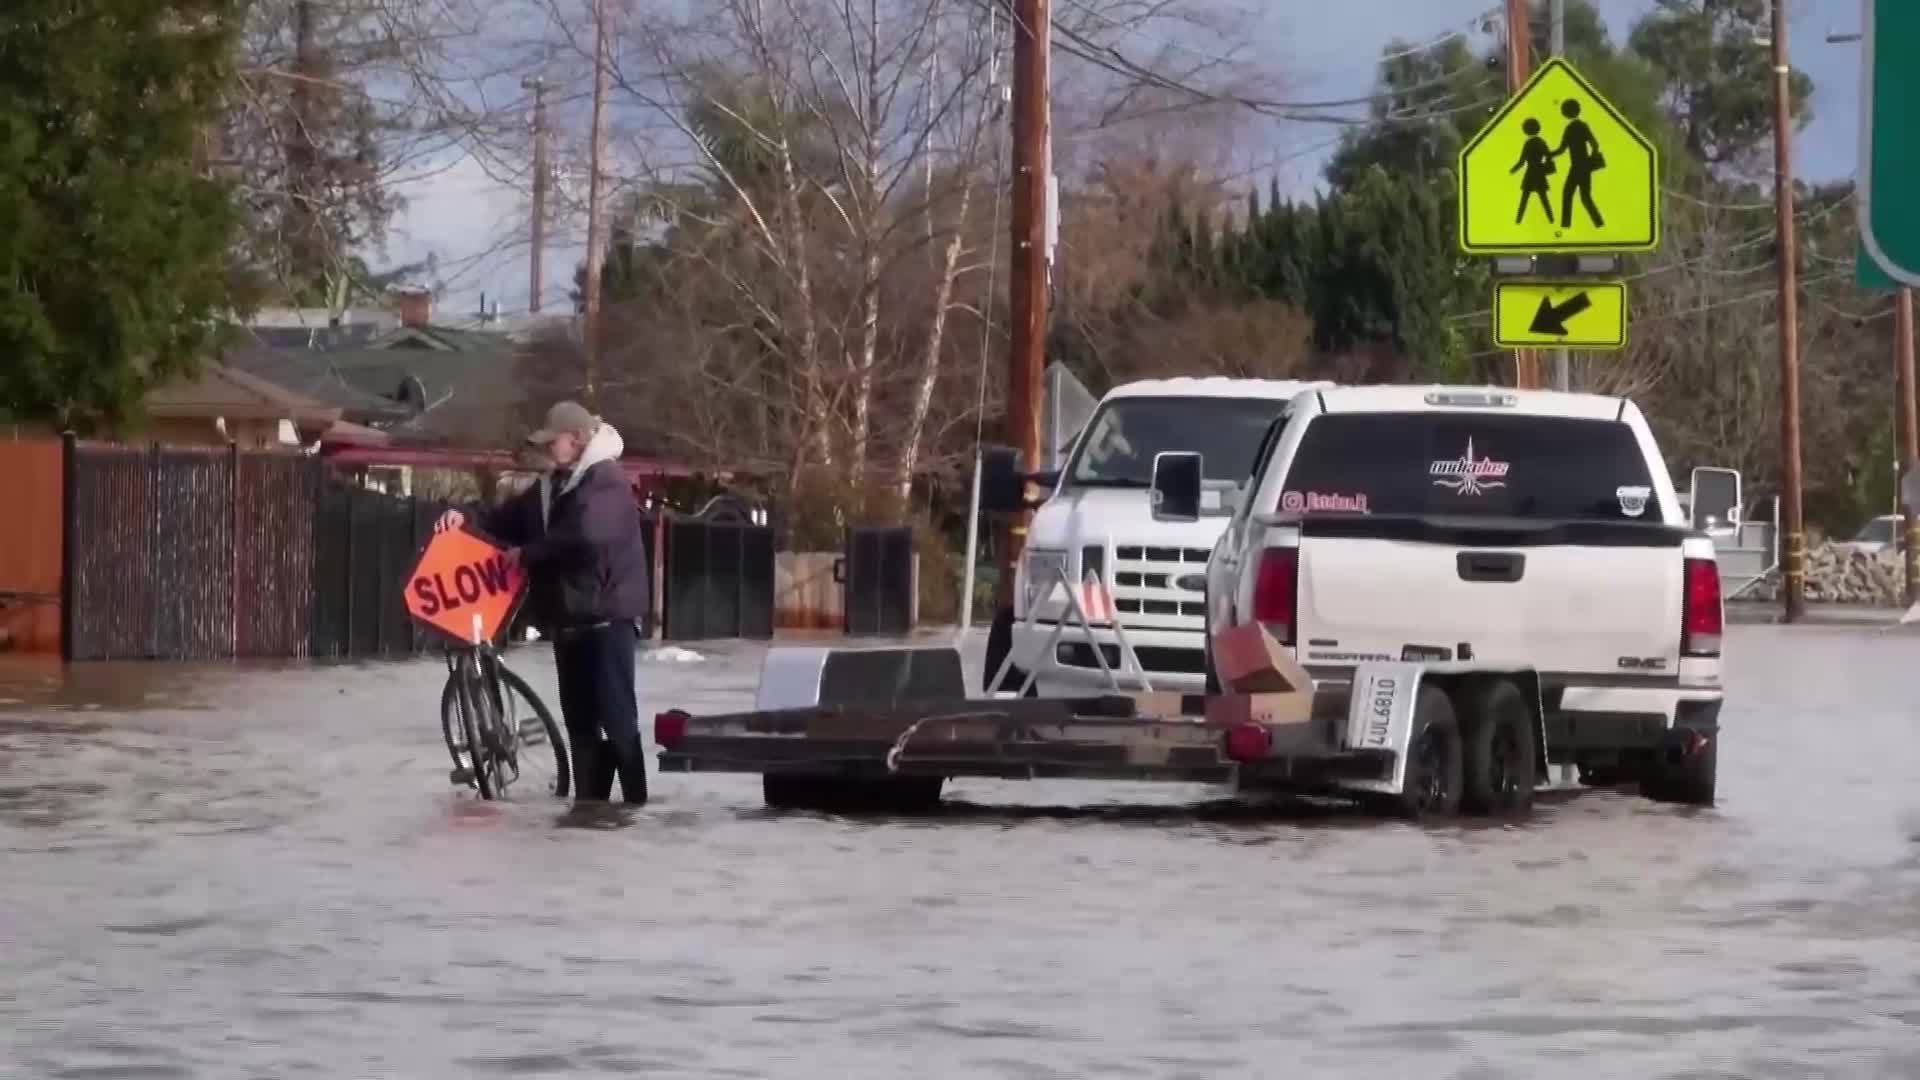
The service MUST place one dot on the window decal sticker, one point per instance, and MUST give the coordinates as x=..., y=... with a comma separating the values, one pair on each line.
x=1633, y=499
x=1295, y=502
x=1468, y=475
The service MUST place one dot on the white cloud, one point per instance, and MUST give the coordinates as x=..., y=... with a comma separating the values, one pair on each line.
x=477, y=228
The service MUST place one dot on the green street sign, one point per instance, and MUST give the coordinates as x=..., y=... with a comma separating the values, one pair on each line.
x=1889, y=184
x=1867, y=273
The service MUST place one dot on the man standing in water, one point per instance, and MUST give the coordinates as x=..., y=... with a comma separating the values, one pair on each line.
x=1583, y=160
x=577, y=532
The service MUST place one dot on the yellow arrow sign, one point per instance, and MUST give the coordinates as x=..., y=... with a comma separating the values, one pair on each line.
x=1571, y=314
x=1558, y=169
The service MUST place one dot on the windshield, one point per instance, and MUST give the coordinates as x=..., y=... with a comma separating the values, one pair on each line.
x=1120, y=444
x=1471, y=464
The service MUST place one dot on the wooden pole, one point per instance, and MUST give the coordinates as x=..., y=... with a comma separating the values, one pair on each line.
x=596, y=250
x=1526, y=362
x=538, y=239
x=1027, y=277
x=1909, y=432
x=1793, y=546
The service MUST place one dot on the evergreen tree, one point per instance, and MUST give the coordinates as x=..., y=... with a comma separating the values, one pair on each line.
x=114, y=241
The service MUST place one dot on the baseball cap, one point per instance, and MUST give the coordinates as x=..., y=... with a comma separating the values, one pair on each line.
x=564, y=417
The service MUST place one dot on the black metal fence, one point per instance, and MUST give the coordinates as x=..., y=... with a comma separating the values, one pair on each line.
x=152, y=554
x=190, y=554
x=365, y=542
x=718, y=581
x=879, y=585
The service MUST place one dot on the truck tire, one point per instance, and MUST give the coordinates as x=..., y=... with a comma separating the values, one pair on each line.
x=999, y=644
x=1434, y=768
x=1497, y=739
x=1683, y=775
x=843, y=794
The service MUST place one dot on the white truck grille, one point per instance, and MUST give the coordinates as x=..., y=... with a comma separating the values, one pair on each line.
x=1147, y=589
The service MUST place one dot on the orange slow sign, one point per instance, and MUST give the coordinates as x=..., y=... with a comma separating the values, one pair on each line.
x=464, y=587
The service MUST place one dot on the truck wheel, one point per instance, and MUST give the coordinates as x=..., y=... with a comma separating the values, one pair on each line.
x=1686, y=771
x=1434, y=770
x=1497, y=737
x=999, y=644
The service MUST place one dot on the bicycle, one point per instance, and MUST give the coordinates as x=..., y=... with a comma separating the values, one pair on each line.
x=479, y=699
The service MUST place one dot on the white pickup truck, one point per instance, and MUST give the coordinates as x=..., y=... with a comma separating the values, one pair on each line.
x=1098, y=520
x=1505, y=548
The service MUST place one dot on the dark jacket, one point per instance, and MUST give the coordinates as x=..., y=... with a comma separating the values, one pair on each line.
x=586, y=563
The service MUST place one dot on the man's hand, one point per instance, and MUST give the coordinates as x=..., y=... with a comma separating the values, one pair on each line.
x=452, y=519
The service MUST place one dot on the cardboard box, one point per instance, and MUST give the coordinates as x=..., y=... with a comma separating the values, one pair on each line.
x=1167, y=705
x=1251, y=661
x=1268, y=709
x=1287, y=716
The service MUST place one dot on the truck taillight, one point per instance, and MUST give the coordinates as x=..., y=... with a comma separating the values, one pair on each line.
x=670, y=728
x=1276, y=589
x=1701, y=619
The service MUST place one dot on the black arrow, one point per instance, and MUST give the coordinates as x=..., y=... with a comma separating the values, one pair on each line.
x=1553, y=320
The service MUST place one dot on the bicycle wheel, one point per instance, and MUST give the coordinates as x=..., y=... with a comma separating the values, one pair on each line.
x=471, y=698
x=531, y=726
x=450, y=729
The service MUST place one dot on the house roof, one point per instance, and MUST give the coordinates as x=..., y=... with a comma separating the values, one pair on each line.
x=416, y=394
x=221, y=390
x=313, y=375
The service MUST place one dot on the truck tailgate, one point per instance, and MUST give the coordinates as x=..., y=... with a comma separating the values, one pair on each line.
x=1580, y=597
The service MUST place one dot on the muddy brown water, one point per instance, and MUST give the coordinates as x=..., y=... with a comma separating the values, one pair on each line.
x=233, y=872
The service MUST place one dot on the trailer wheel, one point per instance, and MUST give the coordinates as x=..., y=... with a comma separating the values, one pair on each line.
x=999, y=644
x=1434, y=768
x=1497, y=734
x=851, y=794
x=1686, y=771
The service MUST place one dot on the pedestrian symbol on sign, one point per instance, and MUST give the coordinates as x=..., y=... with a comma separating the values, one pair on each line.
x=1586, y=180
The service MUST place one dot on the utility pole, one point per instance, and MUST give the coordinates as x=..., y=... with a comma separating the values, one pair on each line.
x=1909, y=433
x=1027, y=277
x=539, y=238
x=1557, y=46
x=1793, y=547
x=1526, y=362
x=596, y=251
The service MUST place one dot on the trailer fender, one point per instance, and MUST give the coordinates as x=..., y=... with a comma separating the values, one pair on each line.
x=799, y=677
x=1380, y=717
x=1385, y=694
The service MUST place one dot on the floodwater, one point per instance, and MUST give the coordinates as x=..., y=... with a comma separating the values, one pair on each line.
x=225, y=872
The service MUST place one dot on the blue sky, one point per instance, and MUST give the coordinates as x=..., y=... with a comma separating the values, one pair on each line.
x=1324, y=51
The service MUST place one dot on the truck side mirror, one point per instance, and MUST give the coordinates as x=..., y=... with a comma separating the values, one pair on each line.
x=1177, y=480
x=1003, y=490
x=1714, y=499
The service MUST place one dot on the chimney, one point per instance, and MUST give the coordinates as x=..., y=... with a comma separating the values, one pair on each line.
x=415, y=306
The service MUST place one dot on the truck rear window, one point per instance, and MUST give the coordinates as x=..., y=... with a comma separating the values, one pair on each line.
x=1471, y=464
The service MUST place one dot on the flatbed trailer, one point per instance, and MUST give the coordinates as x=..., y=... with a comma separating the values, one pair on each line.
x=884, y=728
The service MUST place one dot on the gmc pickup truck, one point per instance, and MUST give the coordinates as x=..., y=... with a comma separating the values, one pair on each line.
x=1475, y=531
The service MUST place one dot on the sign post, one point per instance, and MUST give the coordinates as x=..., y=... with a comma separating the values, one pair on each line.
x=1559, y=184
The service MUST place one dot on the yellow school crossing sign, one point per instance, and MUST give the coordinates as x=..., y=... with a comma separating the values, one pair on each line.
x=1558, y=169
x=1530, y=314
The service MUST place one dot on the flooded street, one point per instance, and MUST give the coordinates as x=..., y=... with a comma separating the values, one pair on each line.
x=242, y=872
